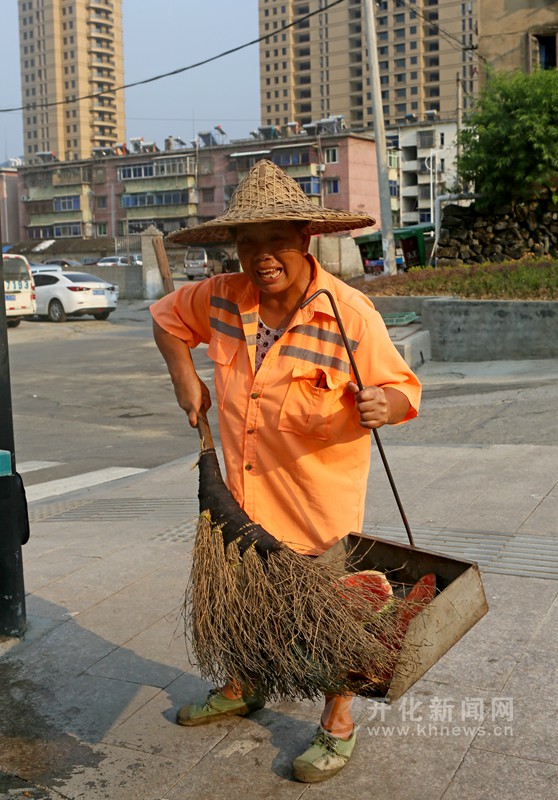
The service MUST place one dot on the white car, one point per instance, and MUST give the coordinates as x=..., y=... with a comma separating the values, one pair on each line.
x=65, y=294
x=114, y=261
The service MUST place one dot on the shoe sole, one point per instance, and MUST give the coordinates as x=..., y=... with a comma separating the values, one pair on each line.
x=316, y=777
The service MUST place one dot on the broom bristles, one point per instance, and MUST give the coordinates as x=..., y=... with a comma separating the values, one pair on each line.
x=287, y=627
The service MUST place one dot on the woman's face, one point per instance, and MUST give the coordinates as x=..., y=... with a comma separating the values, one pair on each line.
x=272, y=255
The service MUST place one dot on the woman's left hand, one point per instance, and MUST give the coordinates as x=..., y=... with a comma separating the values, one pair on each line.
x=377, y=406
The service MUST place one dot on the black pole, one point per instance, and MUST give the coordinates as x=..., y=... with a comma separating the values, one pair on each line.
x=360, y=385
x=14, y=523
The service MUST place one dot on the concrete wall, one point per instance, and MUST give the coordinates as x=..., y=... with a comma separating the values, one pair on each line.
x=490, y=330
x=129, y=279
x=338, y=255
x=481, y=330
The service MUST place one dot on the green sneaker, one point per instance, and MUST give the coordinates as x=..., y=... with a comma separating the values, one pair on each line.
x=325, y=757
x=216, y=707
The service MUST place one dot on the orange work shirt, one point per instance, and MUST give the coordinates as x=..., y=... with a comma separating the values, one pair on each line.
x=296, y=458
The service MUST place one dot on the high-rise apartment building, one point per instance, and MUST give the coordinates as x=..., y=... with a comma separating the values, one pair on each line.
x=319, y=67
x=71, y=59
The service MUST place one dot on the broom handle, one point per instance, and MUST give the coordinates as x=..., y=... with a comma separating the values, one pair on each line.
x=361, y=387
x=204, y=430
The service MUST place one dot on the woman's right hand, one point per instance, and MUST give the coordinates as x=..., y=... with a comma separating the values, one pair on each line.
x=193, y=396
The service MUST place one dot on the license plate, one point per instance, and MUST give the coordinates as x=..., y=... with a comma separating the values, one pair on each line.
x=98, y=291
x=10, y=297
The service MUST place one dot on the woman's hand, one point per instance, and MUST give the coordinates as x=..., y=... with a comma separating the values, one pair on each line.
x=192, y=395
x=378, y=406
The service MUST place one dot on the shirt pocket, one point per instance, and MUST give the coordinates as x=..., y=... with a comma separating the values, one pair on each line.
x=223, y=354
x=312, y=398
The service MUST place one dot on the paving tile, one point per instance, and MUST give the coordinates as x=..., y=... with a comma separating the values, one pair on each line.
x=531, y=701
x=486, y=656
x=156, y=656
x=253, y=760
x=493, y=776
x=100, y=577
x=134, y=608
x=152, y=727
x=121, y=774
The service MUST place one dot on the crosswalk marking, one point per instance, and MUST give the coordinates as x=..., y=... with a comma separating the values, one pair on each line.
x=64, y=485
x=33, y=466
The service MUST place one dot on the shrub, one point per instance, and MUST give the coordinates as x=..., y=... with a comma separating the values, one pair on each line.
x=515, y=280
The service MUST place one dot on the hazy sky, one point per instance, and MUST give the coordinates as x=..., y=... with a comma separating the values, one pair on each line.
x=160, y=36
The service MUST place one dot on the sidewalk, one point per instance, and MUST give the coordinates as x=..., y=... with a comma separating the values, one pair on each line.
x=89, y=696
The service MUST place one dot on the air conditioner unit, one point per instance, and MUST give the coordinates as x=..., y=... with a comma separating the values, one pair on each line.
x=320, y=167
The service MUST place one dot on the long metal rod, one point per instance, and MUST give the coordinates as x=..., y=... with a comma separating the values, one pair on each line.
x=361, y=387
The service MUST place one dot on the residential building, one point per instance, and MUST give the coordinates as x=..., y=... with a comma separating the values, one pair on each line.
x=71, y=60
x=122, y=193
x=319, y=67
x=9, y=202
x=522, y=35
x=427, y=152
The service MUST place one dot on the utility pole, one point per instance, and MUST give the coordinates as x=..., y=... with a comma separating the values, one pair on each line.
x=14, y=523
x=388, y=240
x=459, y=88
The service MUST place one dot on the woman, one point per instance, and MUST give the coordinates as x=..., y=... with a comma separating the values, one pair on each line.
x=294, y=426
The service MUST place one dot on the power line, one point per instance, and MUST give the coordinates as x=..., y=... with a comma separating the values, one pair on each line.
x=449, y=37
x=34, y=105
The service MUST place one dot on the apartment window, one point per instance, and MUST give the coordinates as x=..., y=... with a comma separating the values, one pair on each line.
x=208, y=195
x=332, y=155
x=101, y=201
x=400, y=48
x=382, y=36
x=69, y=203
x=310, y=185
x=102, y=229
x=332, y=185
x=393, y=189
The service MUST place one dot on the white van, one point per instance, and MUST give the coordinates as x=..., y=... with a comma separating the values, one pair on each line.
x=19, y=289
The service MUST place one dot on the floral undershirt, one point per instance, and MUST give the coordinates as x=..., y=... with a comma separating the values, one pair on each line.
x=265, y=337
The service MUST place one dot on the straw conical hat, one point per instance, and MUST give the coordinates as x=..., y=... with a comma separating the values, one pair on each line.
x=267, y=194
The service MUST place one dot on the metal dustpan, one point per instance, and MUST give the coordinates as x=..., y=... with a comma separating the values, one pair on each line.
x=460, y=600
x=459, y=603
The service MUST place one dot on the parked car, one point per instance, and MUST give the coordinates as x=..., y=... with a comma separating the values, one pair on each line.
x=136, y=259
x=36, y=267
x=65, y=263
x=89, y=261
x=64, y=294
x=114, y=261
x=201, y=263
x=19, y=289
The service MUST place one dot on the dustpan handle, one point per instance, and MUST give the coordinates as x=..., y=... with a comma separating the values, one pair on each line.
x=361, y=387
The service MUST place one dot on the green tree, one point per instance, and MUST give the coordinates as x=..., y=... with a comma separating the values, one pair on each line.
x=510, y=144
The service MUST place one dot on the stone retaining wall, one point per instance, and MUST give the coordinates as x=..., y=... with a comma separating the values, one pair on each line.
x=469, y=236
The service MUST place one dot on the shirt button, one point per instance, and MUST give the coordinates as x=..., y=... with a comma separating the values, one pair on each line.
x=254, y=395
x=250, y=430
x=248, y=467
